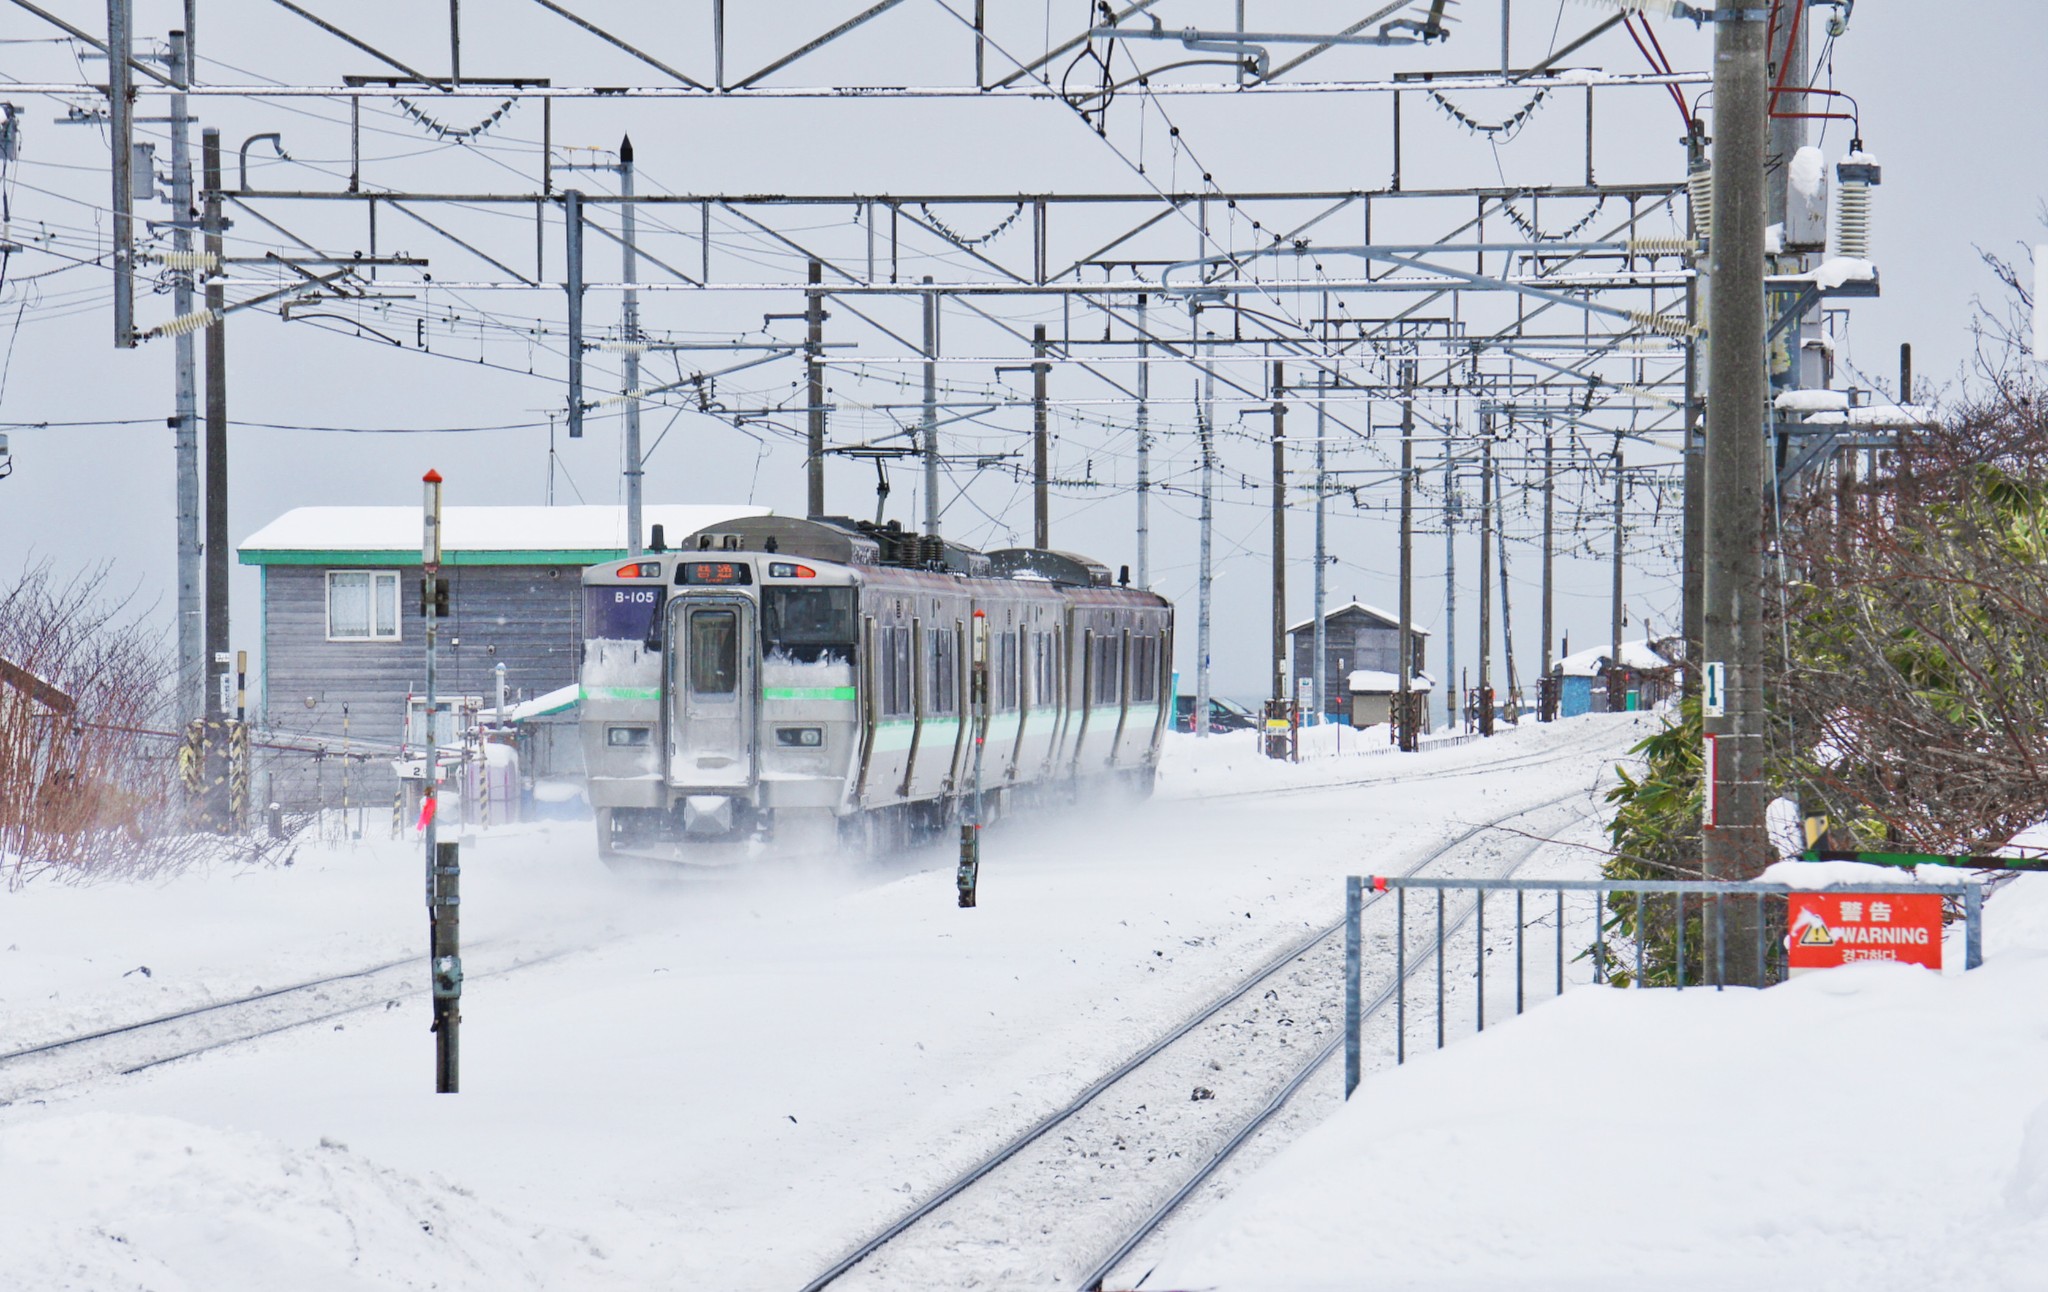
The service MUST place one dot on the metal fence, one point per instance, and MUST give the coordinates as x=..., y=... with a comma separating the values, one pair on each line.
x=1754, y=913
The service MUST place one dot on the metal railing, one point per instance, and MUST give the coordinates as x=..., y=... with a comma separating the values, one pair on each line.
x=1718, y=914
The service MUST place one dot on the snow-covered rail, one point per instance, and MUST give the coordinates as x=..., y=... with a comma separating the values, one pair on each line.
x=1063, y=1181
x=136, y=1046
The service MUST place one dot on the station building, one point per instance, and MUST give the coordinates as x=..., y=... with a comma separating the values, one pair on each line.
x=1358, y=638
x=342, y=657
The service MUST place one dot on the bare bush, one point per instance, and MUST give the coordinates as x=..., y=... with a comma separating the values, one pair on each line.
x=1917, y=619
x=88, y=764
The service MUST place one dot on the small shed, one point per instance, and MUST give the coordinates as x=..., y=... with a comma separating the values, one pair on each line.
x=341, y=655
x=1648, y=670
x=1373, y=692
x=1357, y=637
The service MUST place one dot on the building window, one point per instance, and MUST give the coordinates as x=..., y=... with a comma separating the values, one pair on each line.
x=362, y=605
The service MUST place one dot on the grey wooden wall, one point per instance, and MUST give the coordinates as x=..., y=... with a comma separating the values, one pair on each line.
x=528, y=618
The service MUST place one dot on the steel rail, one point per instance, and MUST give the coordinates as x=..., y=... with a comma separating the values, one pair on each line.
x=1093, y=1280
x=961, y=1183
x=196, y=1011
x=240, y=1037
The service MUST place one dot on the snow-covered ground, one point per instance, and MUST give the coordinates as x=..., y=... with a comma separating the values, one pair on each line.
x=723, y=1085
x=1874, y=1126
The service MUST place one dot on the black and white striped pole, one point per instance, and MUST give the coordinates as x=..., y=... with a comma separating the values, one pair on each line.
x=444, y=860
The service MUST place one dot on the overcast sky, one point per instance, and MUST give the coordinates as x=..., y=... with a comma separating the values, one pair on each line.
x=1952, y=101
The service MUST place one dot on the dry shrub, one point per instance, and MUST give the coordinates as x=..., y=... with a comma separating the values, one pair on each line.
x=88, y=758
x=1917, y=611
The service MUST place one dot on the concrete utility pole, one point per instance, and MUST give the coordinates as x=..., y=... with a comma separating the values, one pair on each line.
x=1507, y=609
x=121, y=137
x=185, y=440
x=1616, y=611
x=1485, y=574
x=1549, y=547
x=1322, y=631
x=1404, y=654
x=572, y=285
x=1451, y=687
x=1041, y=451
x=1206, y=417
x=1144, y=447
x=931, y=411
x=216, y=550
x=1698, y=297
x=1279, y=534
x=1736, y=843
x=629, y=325
x=814, y=432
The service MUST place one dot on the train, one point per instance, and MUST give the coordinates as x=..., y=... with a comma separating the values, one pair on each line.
x=822, y=683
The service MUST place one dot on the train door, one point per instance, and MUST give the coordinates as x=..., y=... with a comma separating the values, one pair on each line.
x=711, y=692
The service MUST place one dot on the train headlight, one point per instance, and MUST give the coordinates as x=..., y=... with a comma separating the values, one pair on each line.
x=800, y=737
x=628, y=737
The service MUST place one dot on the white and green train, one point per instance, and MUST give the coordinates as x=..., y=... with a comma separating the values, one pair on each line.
x=813, y=681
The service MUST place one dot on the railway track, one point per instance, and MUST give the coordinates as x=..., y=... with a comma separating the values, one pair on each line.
x=1403, y=770
x=1075, y=1180
x=1420, y=959
x=132, y=1047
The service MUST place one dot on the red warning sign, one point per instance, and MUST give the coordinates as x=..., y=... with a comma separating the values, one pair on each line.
x=1829, y=929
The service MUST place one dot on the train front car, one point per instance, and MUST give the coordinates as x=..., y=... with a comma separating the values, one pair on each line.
x=801, y=682
x=720, y=704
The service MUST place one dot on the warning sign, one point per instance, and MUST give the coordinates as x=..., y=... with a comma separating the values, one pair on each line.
x=1829, y=929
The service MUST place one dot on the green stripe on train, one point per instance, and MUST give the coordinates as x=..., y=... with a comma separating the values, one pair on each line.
x=809, y=693
x=622, y=693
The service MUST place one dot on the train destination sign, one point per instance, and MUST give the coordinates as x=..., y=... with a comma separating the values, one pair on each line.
x=1829, y=929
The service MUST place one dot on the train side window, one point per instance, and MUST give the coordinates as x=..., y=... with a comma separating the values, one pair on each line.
x=1006, y=671
x=906, y=694
x=1105, y=670
x=945, y=692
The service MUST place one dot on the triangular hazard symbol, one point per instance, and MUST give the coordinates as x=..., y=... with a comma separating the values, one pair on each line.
x=1816, y=935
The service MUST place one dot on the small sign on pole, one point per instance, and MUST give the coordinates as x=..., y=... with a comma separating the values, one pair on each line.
x=1711, y=765
x=1714, y=695
x=1828, y=929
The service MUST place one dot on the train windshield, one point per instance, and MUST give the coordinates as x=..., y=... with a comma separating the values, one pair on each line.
x=809, y=624
x=614, y=613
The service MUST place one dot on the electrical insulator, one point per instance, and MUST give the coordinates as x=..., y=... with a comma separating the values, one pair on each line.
x=1699, y=184
x=1856, y=175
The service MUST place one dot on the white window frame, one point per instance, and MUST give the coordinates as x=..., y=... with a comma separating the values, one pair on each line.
x=378, y=579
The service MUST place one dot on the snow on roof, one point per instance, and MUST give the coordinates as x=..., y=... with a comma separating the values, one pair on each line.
x=1879, y=415
x=1838, y=270
x=313, y=535
x=1812, y=401
x=1374, y=682
x=1384, y=617
x=1634, y=654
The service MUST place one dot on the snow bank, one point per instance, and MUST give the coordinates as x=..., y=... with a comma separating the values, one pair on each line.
x=1871, y=1126
x=105, y=1200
